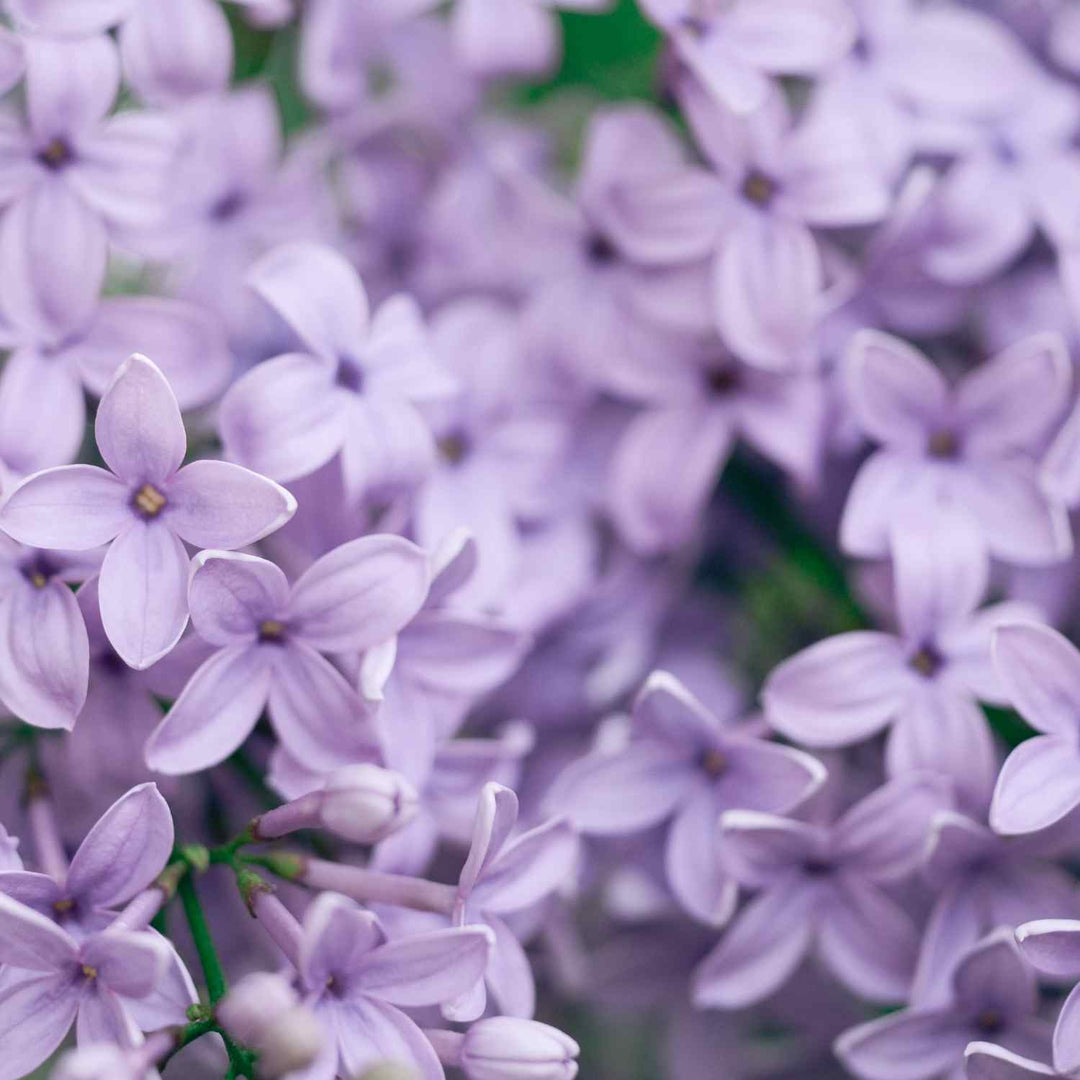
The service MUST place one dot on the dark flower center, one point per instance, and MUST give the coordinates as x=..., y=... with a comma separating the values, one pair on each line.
x=39, y=569
x=228, y=206
x=990, y=1022
x=599, y=249
x=722, y=380
x=56, y=154
x=350, y=376
x=943, y=444
x=64, y=908
x=713, y=763
x=272, y=631
x=927, y=661
x=453, y=448
x=817, y=867
x=758, y=188
x=148, y=501
x=111, y=662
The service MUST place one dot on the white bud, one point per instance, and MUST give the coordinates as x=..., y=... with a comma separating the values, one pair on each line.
x=366, y=803
x=254, y=1004
x=291, y=1043
x=506, y=1048
x=98, y=1061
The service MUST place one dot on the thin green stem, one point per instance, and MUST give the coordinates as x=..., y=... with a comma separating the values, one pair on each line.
x=204, y=945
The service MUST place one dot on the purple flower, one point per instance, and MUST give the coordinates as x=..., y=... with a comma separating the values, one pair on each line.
x=970, y=449
x=734, y=47
x=120, y=856
x=821, y=887
x=354, y=391
x=994, y=995
x=985, y=1061
x=69, y=980
x=925, y=681
x=686, y=764
x=508, y=1048
x=502, y=876
x=355, y=982
x=72, y=177
x=1052, y=946
x=1039, y=783
x=147, y=506
x=983, y=881
x=269, y=641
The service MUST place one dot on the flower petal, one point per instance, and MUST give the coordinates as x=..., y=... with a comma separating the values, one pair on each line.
x=123, y=853
x=230, y=594
x=496, y=815
x=528, y=868
x=1051, y=946
x=908, y=1045
x=985, y=1061
x=1039, y=784
x=1040, y=673
x=30, y=940
x=693, y=867
x=35, y=1016
x=143, y=592
x=127, y=963
x=509, y=973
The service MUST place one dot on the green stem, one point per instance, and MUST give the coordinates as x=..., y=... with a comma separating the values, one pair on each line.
x=204, y=945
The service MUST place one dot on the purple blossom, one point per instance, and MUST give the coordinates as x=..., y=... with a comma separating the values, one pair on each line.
x=144, y=505
x=269, y=639
x=686, y=764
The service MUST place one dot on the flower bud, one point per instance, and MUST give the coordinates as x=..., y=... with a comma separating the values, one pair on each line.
x=262, y=1011
x=366, y=803
x=98, y=1061
x=506, y=1048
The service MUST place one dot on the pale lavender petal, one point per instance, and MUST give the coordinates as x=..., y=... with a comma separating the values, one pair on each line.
x=498, y=40
x=667, y=711
x=759, y=951
x=611, y=793
x=789, y=36
x=909, y=1045
x=496, y=815
x=215, y=504
x=1051, y=946
x=318, y=716
x=70, y=85
x=762, y=775
x=763, y=850
x=139, y=430
x=997, y=413
x=994, y=971
x=360, y=594
x=1040, y=673
x=839, y=691
x=214, y=714
x=30, y=940
x=35, y=1016
x=317, y=292
x=284, y=418
x=426, y=969
x=693, y=867
x=868, y=941
x=103, y=1019
x=1039, y=784
x=73, y=506
x=127, y=963
x=143, y=590
x=33, y=386
x=38, y=891
x=1060, y=472
x=12, y=60
x=123, y=853
x=231, y=594
x=77, y=18
x=509, y=973
x=956, y=923
x=898, y=397
x=338, y=934
x=1067, y=1035
x=985, y=1061
x=528, y=868
x=374, y=1033
x=882, y=485
x=44, y=655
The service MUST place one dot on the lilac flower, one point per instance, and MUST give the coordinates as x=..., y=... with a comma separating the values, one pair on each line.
x=985, y=1061
x=44, y=651
x=508, y=1048
x=355, y=980
x=120, y=856
x=1038, y=785
x=971, y=448
x=983, y=881
x=71, y=179
x=502, y=876
x=733, y=48
x=68, y=980
x=925, y=681
x=821, y=887
x=1052, y=946
x=689, y=765
x=994, y=995
x=269, y=639
x=354, y=391
x=146, y=505
x=696, y=408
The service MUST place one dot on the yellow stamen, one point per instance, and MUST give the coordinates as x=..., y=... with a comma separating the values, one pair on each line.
x=62, y=907
x=149, y=500
x=89, y=972
x=271, y=630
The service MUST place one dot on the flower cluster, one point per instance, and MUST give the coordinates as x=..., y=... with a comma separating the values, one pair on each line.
x=535, y=530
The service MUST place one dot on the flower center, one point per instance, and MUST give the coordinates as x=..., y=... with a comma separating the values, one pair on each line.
x=927, y=661
x=350, y=376
x=758, y=188
x=713, y=763
x=453, y=448
x=817, y=867
x=56, y=154
x=989, y=1022
x=599, y=250
x=228, y=206
x=722, y=380
x=64, y=907
x=39, y=570
x=148, y=501
x=943, y=444
x=271, y=630
x=89, y=972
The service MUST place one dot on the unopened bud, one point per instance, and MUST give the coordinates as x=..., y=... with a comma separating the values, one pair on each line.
x=98, y=1061
x=366, y=803
x=263, y=1012
x=506, y=1048
x=389, y=1072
